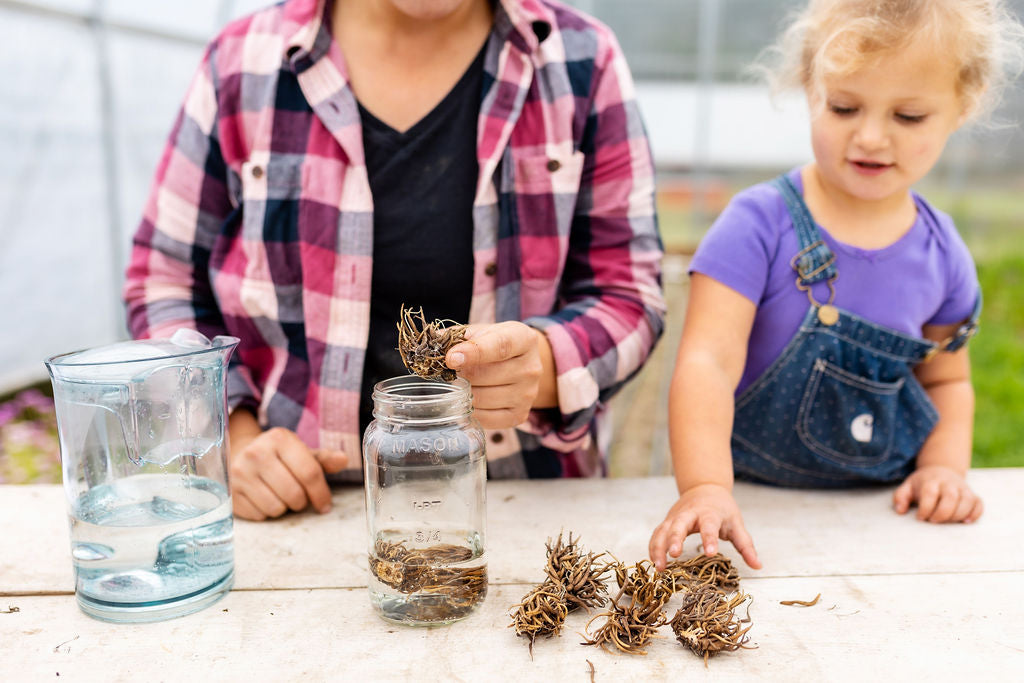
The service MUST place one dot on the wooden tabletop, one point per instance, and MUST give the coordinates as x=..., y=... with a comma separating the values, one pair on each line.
x=900, y=599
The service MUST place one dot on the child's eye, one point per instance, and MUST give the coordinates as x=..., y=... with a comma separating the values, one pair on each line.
x=911, y=118
x=840, y=110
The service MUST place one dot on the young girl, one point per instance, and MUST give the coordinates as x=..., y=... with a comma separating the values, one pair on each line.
x=824, y=338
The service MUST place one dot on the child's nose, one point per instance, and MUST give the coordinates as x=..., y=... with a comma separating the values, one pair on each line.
x=872, y=133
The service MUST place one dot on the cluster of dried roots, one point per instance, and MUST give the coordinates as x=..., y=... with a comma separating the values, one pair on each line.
x=574, y=579
x=582, y=574
x=716, y=570
x=428, y=570
x=629, y=626
x=423, y=345
x=707, y=622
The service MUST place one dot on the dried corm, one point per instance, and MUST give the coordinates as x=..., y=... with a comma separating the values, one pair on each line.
x=628, y=627
x=707, y=621
x=716, y=570
x=582, y=574
x=423, y=345
x=541, y=613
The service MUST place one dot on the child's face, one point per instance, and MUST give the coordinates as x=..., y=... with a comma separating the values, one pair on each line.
x=882, y=128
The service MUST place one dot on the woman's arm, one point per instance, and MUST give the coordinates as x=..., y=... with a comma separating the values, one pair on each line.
x=167, y=283
x=610, y=304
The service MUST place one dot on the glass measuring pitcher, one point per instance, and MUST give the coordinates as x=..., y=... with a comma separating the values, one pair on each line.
x=143, y=454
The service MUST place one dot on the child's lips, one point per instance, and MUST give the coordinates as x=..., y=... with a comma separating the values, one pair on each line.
x=869, y=167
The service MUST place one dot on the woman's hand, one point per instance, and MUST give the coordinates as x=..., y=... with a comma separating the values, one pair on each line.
x=941, y=494
x=510, y=368
x=710, y=510
x=274, y=471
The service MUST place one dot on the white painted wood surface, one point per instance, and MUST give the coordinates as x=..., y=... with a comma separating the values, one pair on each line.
x=900, y=599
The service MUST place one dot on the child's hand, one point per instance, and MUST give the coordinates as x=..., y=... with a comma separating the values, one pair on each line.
x=710, y=510
x=941, y=493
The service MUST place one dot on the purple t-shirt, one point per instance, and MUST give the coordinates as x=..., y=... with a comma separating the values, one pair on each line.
x=927, y=277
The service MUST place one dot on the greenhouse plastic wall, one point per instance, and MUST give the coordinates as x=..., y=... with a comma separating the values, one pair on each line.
x=90, y=89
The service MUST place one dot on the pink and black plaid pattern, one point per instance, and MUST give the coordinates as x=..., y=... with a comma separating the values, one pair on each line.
x=260, y=223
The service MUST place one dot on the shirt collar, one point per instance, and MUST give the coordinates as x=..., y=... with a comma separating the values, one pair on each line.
x=525, y=22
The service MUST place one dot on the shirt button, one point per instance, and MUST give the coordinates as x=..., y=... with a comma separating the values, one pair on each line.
x=257, y=172
x=554, y=165
x=491, y=269
x=497, y=437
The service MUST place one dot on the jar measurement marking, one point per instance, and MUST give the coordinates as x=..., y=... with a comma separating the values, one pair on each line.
x=425, y=504
x=430, y=535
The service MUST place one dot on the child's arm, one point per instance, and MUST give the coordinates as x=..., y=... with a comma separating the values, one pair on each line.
x=938, y=485
x=709, y=365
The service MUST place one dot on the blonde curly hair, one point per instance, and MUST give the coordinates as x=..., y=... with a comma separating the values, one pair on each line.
x=828, y=38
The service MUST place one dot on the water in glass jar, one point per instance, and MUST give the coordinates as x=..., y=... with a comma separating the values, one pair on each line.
x=427, y=576
x=151, y=546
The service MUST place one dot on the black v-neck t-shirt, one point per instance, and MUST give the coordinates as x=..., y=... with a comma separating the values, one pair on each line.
x=423, y=183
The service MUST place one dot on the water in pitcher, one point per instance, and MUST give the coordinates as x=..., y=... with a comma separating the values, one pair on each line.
x=151, y=539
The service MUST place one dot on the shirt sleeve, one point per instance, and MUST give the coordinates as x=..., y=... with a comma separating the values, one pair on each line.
x=962, y=287
x=611, y=308
x=737, y=250
x=167, y=283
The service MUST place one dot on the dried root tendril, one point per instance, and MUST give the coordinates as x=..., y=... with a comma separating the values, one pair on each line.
x=423, y=345
x=707, y=622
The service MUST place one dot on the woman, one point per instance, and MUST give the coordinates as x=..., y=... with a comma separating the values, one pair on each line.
x=335, y=160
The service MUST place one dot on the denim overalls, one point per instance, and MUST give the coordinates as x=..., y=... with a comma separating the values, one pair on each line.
x=840, y=406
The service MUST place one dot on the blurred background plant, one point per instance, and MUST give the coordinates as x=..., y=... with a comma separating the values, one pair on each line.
x=28, y=439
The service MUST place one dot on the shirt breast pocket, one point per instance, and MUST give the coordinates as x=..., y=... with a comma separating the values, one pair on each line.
x=547, y=190
x=271, y=283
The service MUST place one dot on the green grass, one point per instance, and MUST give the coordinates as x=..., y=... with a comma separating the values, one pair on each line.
x=997, y=362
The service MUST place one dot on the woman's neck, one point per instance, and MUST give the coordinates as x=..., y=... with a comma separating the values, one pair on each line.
x=406, y=29
x=401, y=60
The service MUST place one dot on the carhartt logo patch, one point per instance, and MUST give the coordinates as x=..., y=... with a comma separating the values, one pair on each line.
x=862, y=427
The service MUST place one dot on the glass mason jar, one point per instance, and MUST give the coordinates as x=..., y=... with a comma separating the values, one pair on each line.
x=425, y=482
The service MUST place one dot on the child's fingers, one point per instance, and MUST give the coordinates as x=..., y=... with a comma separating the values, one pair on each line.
x=744, y=544
x=964, y=507
x=681, y=527
x=709, y=528
x=927, y=498
x=949, y=498
x=668, y=537
x=902, y=497
x=976, y=511
x=659, y=545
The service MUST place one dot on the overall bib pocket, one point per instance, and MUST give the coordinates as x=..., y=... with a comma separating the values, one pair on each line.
x=847, y=419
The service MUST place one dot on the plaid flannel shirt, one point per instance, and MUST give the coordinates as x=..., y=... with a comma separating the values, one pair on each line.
x=259, y=223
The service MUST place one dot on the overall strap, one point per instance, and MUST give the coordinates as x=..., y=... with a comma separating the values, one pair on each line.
x=964, y=332
x=815, y=261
